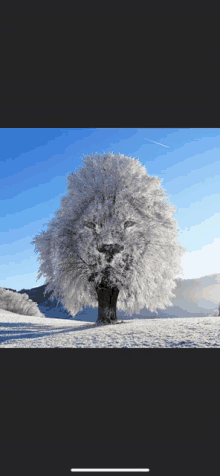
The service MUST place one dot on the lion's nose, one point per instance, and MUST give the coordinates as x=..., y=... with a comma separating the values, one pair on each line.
x=110, y=250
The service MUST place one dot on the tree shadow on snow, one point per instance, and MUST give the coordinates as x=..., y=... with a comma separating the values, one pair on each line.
x=16, y=331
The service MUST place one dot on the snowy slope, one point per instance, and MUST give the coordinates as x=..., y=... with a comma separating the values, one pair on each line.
x=28, y=331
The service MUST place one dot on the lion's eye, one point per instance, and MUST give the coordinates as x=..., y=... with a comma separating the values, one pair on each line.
x=89, y=224
x=128, y=223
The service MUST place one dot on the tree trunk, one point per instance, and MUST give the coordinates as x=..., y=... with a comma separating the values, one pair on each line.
x=107, y=299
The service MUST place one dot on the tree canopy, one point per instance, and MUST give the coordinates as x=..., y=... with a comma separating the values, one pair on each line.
x=114, y=226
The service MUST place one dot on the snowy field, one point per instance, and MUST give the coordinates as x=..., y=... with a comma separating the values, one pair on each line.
x=30, y=332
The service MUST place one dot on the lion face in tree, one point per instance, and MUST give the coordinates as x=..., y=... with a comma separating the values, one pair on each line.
x=112, y=240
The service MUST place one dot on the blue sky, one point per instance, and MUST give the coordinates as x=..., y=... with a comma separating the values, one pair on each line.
x=35, y=163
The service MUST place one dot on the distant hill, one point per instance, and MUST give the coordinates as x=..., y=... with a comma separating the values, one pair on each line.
x=193, y=298
x=196, y=297
x=45, y=304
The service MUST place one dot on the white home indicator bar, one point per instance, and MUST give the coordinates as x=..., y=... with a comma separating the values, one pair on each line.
x=109, y=470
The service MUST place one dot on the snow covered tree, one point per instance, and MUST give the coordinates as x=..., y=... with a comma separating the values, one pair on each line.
x=11, y=300
x=113, y=242
x=217, y=310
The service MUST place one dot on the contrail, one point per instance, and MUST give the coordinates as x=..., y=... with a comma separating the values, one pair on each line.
x=159, y=143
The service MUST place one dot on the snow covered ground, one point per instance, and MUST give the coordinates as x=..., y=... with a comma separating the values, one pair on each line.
x=30, y=331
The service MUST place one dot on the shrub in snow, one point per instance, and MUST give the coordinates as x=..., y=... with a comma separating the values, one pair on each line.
x=18, y=303
x=216, y=312
x=113, y=241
